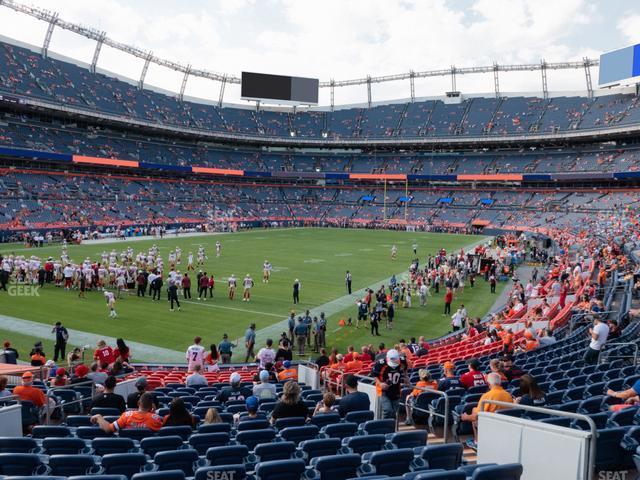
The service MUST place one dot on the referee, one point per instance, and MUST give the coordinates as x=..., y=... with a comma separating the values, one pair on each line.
x=348, y=282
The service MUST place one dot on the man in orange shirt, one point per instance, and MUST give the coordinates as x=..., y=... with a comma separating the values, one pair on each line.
x=355, y=364
x=496, y=392
x=288, y=373
x=144, y=417
x=28, y=392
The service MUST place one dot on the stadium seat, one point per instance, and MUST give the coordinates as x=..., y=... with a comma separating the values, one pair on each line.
x=127, y=464
x=623, y=418
x=387, y=462
x=266, y=452
x=89, y=433
x=447, y=475
x=105, y=446
x=78, y=421
x=70, y=465
x=18, y=445
x=280, y=469
x=253, y=425
x=22, y=464
x=610, y=455
x=183, y=432
x=364, y=443
x=215, y=428
x=177, y=460
x=340, y=430
x=203, y=441
x=231, y=471
x=375, y=427
x=63, y=446
x=359, y=416
x=299, y=434
x=98, y=477
x=251, y=438
x=511, y=471
x=447, y=456
x=282, y=423
x=152, y=445
x=44, y=431
x=160, y=475
x=410, y=439
x=325, y=419
x=319, y=447
x=105, y=412
x=334, y=467
x=230, y=455
x=136, y=433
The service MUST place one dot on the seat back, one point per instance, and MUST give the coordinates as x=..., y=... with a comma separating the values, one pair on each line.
x=280, y=469
x=160, y=475
x=267, y=452
x=359, y=416
x=63, y=446
x=231, y=455
x=203, y=441
x=18, y=445
x=21, y=464
x=136, y=433
x=365, y=443
x=411, y=439
x=152, y=445
x=392, y=462
x=299, y=434
x=215, y=428
x=251, y=438
x=44, y=431
x=340, y=430
x=325, y=419
x=446, y=456
x=376, y=427
x=231, y=471
x=105, y=446
x=177, y=460
x=127, y=464
x=337, y=467
x=320, y=447
x=182, y=431
x=253, y=425
x=282, y=423
x=70, y=465
x=509, y=471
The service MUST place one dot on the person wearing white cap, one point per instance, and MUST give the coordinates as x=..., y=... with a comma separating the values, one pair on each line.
x=390, y=375
x=296, y=291
x=235, y=391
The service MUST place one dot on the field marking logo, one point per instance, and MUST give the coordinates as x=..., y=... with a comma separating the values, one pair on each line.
x=343, y=254
x=365, y=249
x=20, y=290
x=314, y=260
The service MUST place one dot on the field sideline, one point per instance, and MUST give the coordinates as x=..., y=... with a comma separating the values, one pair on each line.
x=318, y=257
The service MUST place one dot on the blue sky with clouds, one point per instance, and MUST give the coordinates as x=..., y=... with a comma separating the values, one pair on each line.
x=344, y=39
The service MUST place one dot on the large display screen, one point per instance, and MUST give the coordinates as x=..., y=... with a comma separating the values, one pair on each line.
x=262, y=86
x=620, y=67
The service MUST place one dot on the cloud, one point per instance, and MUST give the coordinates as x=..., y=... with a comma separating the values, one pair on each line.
x=629, y=26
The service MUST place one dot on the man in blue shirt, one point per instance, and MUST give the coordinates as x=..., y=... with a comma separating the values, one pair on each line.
x=291, y=322
x=301, y=335
x=250, y=341
x=225, y=348
x=62, y=335
x=308, y=323
x=353, y=400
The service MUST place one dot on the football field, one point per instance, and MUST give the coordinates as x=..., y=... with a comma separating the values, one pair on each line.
x=319, y=258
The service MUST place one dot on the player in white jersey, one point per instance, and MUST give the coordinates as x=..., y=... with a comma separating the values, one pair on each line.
x=266, y=271
x=190, y=262
x=232, y=283
x=394, y=252
x=195, y=354
x=178, y=255
x=201, y=256
x=247, y=283
x=172, y=259
x=111, y=304
x=218, y=248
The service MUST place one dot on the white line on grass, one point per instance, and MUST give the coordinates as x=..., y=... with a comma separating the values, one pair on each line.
x=213, y=305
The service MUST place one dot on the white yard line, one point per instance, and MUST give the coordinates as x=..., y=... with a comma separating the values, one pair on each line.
x=206, y=303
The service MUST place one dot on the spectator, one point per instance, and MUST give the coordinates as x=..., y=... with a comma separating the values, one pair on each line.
x=96, y=375
x=450, y=380
x=251, y=405
x=354, y=400
x=178, y=415
x=390, y=375
x=212, y=416
x=284, y=352
x=509, y=369
x=497, y=393
x=495, y=366
x=599, y=334
x=264, y=390
x=211, y=360
x=289, y=372
x=530, y=393
x=28, y=392
x=424, y=382
x=290, y=405
x=266, y=354
x=196, y=378
x=234, y=391
x=546, y=338
x=109, y=399
x=143, y=417
x=61, y=379
x=326, y=405
x=134, y=397
x=4, y=391
x=9, y=354
x=225, y=347
x=103, y=353
x=37, y=355
x=121, y=352
x=474, y=377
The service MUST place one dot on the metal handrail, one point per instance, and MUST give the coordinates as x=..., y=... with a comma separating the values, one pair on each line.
x=50, y=394
x=577, y=316
x=444, y=416
x=605, y=358
x=556, y=413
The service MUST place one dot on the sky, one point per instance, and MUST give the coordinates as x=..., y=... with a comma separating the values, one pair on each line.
x=343, y=39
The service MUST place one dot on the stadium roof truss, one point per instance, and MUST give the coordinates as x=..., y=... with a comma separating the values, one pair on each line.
x=53, y=19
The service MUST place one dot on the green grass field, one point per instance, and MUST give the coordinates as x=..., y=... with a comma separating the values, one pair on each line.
x=318, y=257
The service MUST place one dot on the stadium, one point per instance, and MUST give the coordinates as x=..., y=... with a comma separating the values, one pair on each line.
x=239, y=275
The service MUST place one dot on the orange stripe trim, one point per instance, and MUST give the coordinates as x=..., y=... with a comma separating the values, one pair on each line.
x=105, y=161
x=217, y=171
x=501, y=177
x=377, y=176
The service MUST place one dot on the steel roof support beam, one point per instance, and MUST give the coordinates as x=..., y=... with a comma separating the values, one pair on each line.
x=184, y=82
x=47, y=38
x=96, y=52
x=145, y=68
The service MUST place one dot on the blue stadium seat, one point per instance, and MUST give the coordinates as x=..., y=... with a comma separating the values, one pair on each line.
x=334, y=467
x=98, y=477
x=282, y=423
x=387, y=462
x=127, y=464
x=44, y=431
x=251, y=438
x=591, y=405
x=410, y=439
x=559, y=421
x=231, y=471
x=631, y=439
x=63, y=446
x=299, y=434
x=78, y=421
x=18, y=445
x=375, y=427
x=136, y=433
x=182, y=431
x=203, y=441
x=160, y=475
x=280, y=469
x=319, y=447
x=177, y=460
x=215, y=428
x=70, y=465
x=359, y=416
x=267, y=452
x=340, y=430
x=511, y=471
x=450, y=475
x=446, y=456
x=22, y=464
x=104, y=411
x=253, y=425
x=624, y=417
x=152, y=445
x=364, y=443
x=89, y=433
x=105, y=446
x=325, y=419
x=610, y=455
x=231, y=455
